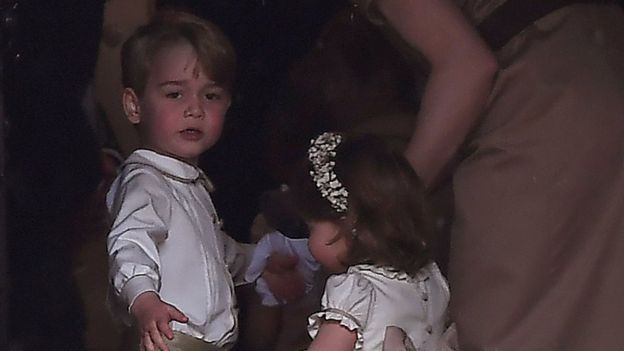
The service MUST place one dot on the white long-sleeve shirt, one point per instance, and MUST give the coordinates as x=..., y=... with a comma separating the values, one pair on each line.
x=166, y=237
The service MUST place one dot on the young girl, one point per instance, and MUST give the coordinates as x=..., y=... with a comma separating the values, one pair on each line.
x=369, y=224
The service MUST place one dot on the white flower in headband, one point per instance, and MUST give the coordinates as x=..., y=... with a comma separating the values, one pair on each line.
x=321, y=154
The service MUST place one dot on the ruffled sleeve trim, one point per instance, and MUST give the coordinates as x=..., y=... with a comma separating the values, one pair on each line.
x=345, y=319
x=422, y=275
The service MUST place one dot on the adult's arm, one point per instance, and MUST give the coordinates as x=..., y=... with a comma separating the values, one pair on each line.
x=461, y=77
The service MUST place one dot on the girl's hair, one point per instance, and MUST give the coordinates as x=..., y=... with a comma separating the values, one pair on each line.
x=386, y=200
x=167, y=28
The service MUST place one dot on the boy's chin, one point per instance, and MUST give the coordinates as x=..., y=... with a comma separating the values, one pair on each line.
x=185, y=157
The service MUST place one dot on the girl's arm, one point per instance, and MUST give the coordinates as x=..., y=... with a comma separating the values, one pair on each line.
x=461, y=77
x=333, y=336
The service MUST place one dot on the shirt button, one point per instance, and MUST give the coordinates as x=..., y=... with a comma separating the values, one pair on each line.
x=429, y=329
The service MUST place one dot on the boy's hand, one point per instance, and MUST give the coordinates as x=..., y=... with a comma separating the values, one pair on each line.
x=282, y=277
x=153, y=317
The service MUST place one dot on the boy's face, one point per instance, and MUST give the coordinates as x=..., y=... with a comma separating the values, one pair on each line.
x=181, y=111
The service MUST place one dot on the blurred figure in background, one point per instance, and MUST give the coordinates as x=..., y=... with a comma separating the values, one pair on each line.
x=52, y=166
x=532, y=93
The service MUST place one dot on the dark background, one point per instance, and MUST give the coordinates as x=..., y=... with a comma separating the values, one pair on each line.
x=52, y=151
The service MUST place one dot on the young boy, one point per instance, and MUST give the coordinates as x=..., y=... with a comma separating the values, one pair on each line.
x=170, y=263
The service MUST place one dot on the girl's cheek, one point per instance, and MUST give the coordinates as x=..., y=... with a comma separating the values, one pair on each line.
x=321, y=253
x=317, y=250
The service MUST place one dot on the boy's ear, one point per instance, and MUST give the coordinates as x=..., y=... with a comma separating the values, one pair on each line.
x=131, y=106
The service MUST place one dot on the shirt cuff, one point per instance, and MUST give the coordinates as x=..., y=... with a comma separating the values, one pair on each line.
x=135, y=286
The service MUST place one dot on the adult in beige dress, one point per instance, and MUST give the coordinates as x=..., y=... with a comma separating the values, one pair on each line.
x=537, y=252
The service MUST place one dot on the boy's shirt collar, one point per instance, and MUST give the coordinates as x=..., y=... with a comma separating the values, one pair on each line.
x=170, y=167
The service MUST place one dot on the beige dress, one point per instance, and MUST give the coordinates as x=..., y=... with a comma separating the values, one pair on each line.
x=389, y=310
x=537, y=252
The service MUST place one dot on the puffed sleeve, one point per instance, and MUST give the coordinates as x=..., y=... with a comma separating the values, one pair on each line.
x=270, y=243
x=273, y=242
x=141, y=211
x=348, y=299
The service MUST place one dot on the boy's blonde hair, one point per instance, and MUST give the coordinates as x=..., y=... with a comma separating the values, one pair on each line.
x=213, y=48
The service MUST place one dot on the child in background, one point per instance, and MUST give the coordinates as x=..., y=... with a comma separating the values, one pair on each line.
x=288, y=237
x=272, y=323
x=171, y=265
x=370, y=226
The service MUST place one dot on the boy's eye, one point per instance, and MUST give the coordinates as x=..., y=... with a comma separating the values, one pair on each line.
x=213, y=96
x=174, y=95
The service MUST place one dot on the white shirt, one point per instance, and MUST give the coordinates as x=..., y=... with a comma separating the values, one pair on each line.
x=381, y=305
x=277, y=242
x=166, y=237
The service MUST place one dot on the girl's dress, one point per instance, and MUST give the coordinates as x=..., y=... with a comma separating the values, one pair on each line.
x=387, y=307
x=537, y=251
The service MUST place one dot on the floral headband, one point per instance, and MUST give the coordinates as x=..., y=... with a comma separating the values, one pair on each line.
x=321, y=154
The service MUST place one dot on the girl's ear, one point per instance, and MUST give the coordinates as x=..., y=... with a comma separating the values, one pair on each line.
x=131, y=106
x=348, y=224
x=350, y=219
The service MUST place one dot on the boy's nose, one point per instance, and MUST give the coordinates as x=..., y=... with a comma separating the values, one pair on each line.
x=193, y=110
